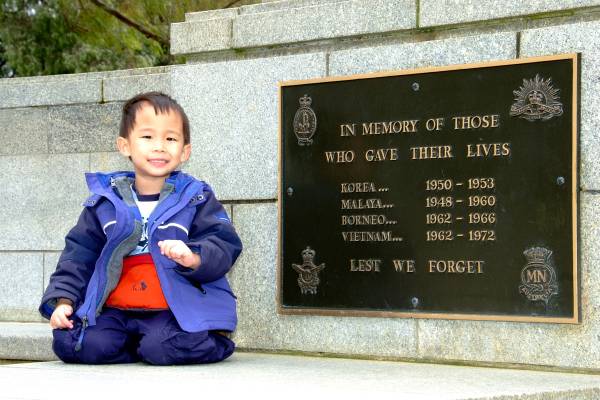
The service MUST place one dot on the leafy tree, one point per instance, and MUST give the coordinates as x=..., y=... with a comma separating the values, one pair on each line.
x=43, y=37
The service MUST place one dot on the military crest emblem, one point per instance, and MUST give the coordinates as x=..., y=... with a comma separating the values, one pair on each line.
x=536, y=100
x=538, y=277
x=308, y=278
x=305, y=122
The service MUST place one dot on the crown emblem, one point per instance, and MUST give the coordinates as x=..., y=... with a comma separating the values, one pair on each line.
x=536, y=100
x=305, y=122
x=308, y=255
x=538, y=277
x=305, y=101
x=537, y=255
x=308, y=278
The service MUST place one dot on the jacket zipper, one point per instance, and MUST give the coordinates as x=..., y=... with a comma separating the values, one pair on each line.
x=83, y=328
x=85, y=317
x=113, y=184
x=99, y=301
x=199, y=286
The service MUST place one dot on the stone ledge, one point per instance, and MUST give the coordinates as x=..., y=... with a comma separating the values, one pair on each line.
x=212, y=14
x=85, y=75
x=26, y=341
x=323, y=21
x=289, y=22
x=276, y=23
x=201, y=36
x=68, y=89
x=51, y=92
x=277, y=5
x=296, y=377
x=449, y=12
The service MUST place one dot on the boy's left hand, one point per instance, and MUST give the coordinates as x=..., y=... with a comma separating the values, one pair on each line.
x=178, y=251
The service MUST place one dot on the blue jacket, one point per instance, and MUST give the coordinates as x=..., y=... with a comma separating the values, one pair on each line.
x=110, y=227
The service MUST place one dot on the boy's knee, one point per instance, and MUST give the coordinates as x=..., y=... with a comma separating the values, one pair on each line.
x=185, y=348
x=63, y=345
x=153, y=350
x=97, y=346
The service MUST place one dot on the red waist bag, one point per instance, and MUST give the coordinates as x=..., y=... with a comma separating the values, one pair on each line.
x=138, y=287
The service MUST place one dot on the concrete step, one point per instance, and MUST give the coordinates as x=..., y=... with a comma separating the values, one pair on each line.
x=288, y=376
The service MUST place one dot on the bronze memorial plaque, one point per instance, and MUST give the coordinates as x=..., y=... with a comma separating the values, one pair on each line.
x=434, y=193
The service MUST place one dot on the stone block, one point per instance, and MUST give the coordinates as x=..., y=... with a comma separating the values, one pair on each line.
x=124, y=88
x=83, y=128
x=234, y=119
x=212, y=14
x=253, y=279
x=584, y=38
x=60, y=129
x=447, y=12
x=50, y=263
x=54, y=91
x=201, y=36
x=561, y=345
x=460, y=50
x=21, y=280
x=24, y=130
x=26, y=341
x=589, y=248
x=322, y=20
x=278, y=5
x=567, y=346
x=41, y=199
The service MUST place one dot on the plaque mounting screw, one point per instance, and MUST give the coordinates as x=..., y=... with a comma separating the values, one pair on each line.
x=290, y=191
x=415, y=302
x=415, y=87
x=560, y=181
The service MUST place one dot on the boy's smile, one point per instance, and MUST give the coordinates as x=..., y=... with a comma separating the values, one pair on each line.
x=156, y=147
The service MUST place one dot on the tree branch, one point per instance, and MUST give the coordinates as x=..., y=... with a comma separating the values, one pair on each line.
x=231, y=3
x=131, y=23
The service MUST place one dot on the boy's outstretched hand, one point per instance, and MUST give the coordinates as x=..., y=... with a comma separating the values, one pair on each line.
x=178, y=251
x=60, y=316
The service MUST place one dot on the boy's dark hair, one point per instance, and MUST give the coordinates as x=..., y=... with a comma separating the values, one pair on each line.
x=161, y=102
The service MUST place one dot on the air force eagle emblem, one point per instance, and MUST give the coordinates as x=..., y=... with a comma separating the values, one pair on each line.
x=308, y=271
x=538, y=278
x=305, y=122
x=536, y=100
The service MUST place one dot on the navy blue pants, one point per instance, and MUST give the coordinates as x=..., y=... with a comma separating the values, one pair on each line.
x=129, y=336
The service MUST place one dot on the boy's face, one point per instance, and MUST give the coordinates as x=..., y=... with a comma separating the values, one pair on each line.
x=155, y=144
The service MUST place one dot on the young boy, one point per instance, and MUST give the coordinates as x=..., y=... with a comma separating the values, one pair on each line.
x=144, y=268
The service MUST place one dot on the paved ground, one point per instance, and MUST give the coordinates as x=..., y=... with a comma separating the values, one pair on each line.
x=252, y=375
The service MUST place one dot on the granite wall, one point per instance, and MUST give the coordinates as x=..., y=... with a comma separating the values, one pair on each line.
x=56, y=128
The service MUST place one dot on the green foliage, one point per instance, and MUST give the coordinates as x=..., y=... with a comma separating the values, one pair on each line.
x=44, y=37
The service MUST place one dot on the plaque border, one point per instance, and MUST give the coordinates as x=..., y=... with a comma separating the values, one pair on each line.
x=576, y=319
